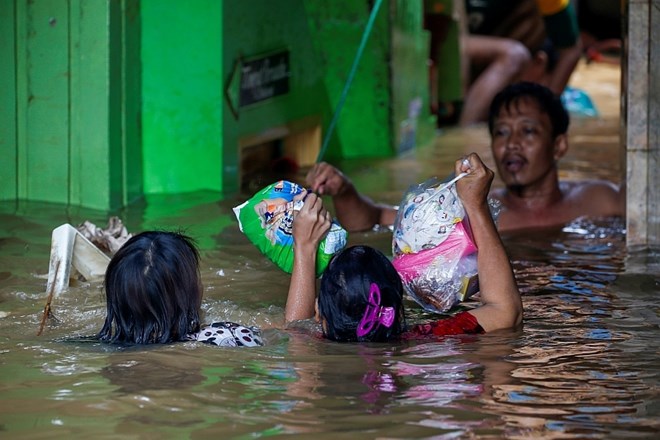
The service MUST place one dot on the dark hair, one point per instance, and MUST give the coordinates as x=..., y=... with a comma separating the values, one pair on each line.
x=547, y=101
x=345, y=290
x=153, y=290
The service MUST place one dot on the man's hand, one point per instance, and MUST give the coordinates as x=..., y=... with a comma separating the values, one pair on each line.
x=324, y=179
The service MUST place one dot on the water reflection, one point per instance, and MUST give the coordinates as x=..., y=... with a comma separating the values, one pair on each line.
x=138, y=371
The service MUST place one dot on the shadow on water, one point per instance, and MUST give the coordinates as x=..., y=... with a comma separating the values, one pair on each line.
x=584, y=366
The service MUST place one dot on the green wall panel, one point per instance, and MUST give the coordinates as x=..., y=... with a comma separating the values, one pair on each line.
x=8, y=135
x=411, y=119
x=254, y=29
x=105, y=159
x=131, y=103
x=91, y=112
x=337, y=31
x=182, y=94
x=66, y=112
x=43, y=89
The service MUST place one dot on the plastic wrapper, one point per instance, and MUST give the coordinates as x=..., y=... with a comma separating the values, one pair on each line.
x=267, y=221
x=433, y=248
x=440, y=277
x=426, y=216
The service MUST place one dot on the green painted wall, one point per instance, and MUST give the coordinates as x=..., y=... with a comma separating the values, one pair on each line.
x=108, y=101
x=323, y=38
x=182, y=108
x=410, y=119
x=8, y=113
x=337, y=29
x=253, y=29
x=42, y=88
x=66, y=107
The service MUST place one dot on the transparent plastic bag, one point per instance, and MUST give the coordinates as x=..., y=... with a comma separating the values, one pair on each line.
x=426, y=216
x=433, y=248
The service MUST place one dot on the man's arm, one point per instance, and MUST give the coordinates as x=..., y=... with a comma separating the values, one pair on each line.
x=567, y=59
x=504, y=59
x=502, y=306
x=354, y=211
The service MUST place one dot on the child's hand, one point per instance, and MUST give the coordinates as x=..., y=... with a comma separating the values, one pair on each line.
x=327, y=180
x=473, y=189
x=311, y=223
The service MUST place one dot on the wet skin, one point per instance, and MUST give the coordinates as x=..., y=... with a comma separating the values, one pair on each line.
x=524, y=149
x=526, y=155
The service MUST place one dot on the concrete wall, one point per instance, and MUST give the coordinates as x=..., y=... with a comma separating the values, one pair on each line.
x=641, y=113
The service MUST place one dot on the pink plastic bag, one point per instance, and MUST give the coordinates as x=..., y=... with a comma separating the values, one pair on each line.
x=432, y=246
x=441, y=277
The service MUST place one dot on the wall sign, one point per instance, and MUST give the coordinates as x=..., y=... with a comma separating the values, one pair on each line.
x=258, y=79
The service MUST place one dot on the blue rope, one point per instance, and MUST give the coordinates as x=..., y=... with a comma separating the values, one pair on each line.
x=356, y=61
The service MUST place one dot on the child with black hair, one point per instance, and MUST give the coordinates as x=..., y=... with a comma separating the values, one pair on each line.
x=154, y=294
x=361, y=295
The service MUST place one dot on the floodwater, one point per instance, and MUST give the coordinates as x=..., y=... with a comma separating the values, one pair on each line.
x=585, y=365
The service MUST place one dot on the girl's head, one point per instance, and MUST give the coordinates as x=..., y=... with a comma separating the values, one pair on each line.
x=153, y=289
x=361, y=297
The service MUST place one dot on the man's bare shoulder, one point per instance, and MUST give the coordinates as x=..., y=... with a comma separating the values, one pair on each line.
x=589, y=188
x=596, y=197
x=591, y=198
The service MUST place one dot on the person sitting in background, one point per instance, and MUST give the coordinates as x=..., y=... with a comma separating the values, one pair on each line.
x=506, y=39
x=361, y=294
x=501, y=43
x=154, y=293
x=528, y=127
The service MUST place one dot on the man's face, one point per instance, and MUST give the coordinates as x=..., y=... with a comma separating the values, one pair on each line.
x=522, y=143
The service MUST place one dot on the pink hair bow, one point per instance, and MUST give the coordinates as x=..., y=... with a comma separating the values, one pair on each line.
x=375, y=314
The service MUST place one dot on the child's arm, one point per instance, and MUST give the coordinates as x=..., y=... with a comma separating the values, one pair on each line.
x=502, y=307
x=354, y=211
x=309, y=227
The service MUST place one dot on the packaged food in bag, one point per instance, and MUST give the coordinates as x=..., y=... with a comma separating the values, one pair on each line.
x=440, y=277
x=267, y=221
x=433, y=248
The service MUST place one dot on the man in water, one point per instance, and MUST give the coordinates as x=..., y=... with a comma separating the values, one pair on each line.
x=528, y=126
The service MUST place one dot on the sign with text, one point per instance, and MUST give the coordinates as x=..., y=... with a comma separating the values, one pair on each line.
x=264, y=78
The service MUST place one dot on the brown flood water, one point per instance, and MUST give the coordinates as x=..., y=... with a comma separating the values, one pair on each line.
x=584, y=366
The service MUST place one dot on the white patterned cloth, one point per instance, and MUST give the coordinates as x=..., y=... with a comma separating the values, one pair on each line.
x=228, y=334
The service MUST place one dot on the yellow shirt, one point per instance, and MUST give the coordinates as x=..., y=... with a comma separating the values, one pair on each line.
x=549, y=7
